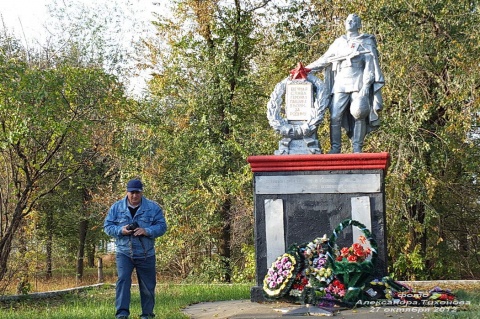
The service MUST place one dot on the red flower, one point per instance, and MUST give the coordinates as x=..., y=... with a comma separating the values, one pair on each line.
x=359, y=252
x=337, y=288
x=355, y=253
x=357, y=246
x=352, y=258
x=338, y=283
x=447, y=297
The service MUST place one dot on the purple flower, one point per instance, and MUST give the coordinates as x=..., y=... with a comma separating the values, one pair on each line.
x=327, y=301
x=438, y=289
x=319, y=262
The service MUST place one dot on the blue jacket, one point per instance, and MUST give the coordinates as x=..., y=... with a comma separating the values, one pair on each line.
x=149, y=216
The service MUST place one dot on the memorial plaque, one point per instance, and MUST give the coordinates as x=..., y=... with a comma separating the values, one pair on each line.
x=274, y=230
x=298, y=101
x=313, y=184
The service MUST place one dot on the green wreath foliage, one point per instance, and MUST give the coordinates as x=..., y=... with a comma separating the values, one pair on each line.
x=355, y=275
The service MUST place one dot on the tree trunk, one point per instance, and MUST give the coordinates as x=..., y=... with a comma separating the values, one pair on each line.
x=224, y=248
x=49, y=245
x=82, y=235
x=91, y=255
x=23, y=286
x=417, y=214
x=7, y=239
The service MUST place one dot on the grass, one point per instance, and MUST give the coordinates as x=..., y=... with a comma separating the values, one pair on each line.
x=98, y=303
x=472, y=311
x=62, y=279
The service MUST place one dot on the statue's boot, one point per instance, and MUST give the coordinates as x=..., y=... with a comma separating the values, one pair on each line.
x=359, y=132
x=335, y=139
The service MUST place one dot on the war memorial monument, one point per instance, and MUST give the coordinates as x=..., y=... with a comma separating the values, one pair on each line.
x=300, y=193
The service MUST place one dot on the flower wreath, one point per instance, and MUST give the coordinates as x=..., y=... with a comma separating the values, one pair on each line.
x=281, y=275
x=320, y=274
x=353, y=272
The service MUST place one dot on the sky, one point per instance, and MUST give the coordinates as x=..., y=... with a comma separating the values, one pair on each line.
x=26, y=13
x=26, y=17
x=26, y=20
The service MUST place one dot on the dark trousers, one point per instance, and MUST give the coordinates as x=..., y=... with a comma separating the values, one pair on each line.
x=146, y=274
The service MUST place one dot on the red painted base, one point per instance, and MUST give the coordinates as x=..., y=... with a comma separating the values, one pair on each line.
x=322, y=162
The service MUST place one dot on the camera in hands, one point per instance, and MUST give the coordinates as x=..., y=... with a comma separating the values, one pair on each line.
x=132, y=226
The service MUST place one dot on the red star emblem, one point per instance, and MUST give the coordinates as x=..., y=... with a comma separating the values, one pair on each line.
x=300, y=72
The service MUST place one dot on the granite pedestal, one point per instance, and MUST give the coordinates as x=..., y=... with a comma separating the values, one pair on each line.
x=301, y=197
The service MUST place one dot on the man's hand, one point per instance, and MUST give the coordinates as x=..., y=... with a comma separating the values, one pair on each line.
x=136, y=232
x=367, y=84
x=365, y=90
x=125, y=231
x=140, y=232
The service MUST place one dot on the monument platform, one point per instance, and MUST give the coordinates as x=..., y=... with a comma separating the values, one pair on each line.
x=301, y=197
x=245, y=309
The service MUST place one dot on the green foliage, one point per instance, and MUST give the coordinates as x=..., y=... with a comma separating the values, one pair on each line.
x=430, y=115
x=246, y=272
x=429, y=121
x=207, y=270
x=409, y=264
x=66, y=126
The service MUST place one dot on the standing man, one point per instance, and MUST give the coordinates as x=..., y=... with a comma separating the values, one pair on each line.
x=353, y=74
x=135, y=222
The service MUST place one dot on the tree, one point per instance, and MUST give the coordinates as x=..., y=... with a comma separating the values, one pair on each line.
x=431, y=114
x=87, y=38
x=207, y=109
x=65, y=124
x=44, y=116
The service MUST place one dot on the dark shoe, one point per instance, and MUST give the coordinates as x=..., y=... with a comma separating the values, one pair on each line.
x=147, y=317
x=122, y=317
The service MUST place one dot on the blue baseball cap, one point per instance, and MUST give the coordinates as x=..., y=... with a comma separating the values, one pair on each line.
x=134, y=185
